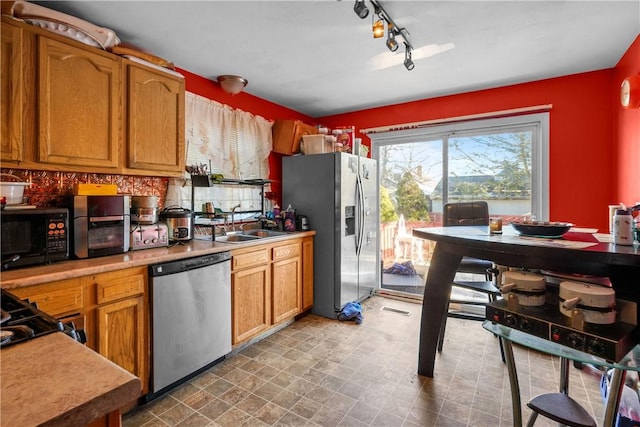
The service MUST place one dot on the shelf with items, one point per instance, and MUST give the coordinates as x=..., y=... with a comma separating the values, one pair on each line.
x=204, y=181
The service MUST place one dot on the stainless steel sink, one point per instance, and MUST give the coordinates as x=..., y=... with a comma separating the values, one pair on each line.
x=248, y=236
x=236, y=238
x=264, y=233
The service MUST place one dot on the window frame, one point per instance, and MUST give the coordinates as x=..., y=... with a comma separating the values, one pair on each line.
x=538, y=122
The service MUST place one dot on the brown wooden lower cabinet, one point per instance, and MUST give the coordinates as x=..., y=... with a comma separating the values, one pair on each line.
x=267, y=285
x=121, y=334
x=250, y=298
x=307, y=273
x=110, y=307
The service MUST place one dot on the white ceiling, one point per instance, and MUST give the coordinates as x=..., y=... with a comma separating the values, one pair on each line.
x=319, y=58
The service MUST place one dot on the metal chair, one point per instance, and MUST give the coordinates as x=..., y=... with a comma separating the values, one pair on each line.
x=470, y=213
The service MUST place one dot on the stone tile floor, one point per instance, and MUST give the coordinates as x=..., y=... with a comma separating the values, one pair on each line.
x=322, y=372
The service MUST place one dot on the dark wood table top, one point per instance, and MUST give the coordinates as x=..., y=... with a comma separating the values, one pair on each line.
x=574, y=253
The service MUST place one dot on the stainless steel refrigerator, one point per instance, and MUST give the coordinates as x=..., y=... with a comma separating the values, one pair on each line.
x=338, y=192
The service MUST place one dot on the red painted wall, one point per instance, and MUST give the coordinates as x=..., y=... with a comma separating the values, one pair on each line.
x=627, y=152
x=594, y=144
x=581, y=135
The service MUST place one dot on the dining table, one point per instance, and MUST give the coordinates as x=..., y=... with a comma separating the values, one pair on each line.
x=576, y=252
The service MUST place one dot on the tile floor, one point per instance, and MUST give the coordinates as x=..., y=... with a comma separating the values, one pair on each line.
x=321, y=372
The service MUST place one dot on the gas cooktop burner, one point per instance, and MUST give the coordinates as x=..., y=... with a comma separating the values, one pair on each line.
x=22, y=321
x=610, y=342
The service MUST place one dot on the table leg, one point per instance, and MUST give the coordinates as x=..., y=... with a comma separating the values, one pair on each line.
x=564, y=375
x=437, y=288
x=613, y=400
x=513, y=383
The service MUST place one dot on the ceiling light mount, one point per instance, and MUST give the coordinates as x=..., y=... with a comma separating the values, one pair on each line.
x=232, y=84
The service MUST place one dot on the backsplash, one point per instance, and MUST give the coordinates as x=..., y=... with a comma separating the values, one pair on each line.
x=50, y=188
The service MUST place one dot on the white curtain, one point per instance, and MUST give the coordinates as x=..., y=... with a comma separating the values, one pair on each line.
x=230, y=142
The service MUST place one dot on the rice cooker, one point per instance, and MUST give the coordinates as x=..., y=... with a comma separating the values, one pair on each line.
x=595, y=303
x=528, y=289
x=179, y=222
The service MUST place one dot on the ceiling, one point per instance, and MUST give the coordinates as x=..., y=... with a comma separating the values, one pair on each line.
x=319, y=58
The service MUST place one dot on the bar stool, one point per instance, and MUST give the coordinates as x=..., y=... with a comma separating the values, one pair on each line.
x=560, y=407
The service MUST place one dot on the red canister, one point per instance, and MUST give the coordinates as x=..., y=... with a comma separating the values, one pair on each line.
x=346, y=137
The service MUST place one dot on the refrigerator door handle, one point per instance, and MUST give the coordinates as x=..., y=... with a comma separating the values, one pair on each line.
x=359, y=215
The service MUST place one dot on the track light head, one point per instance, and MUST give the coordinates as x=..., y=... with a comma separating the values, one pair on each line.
x=361, y=9
x=392, y=44
x=378, y=29
x=408, y=63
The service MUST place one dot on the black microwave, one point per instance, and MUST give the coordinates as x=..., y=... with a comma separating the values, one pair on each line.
x=34, y=236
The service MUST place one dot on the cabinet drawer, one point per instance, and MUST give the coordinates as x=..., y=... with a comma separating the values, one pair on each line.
x=119, y=284
x=249, y=259
x=286, y=251
x=57, y=298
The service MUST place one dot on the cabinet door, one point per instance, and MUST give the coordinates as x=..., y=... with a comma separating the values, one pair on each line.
x=56, y=298
x=251, y=296
x=79, y=105
x=155, y=131
x=287, y=289
x=287, y=135
x=121, y=335
x=307, y=273
x=11, y=92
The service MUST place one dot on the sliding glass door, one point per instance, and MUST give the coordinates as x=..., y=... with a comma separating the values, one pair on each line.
x=500, y=161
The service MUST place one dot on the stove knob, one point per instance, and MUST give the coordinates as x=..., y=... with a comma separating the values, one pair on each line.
x=575, y=340
x=525, y=325
x=154, y=240
x=146, y=241
x=596, y=347
x=510, y=320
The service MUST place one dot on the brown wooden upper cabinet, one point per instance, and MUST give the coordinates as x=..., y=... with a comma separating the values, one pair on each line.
x=79, y=108
x=11, y=92
x=70, y=107
x=287, y=135
x=155, y=119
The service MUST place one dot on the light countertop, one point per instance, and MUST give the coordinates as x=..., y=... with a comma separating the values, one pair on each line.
x=56, y=381
x=62, y=270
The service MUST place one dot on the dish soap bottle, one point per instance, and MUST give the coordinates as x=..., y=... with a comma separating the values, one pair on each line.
x=623, y=227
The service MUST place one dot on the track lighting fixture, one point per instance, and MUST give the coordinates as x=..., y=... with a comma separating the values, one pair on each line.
x=378, y=29
x=393, y=30
x=408, y=63
x=392, y=44
x=361, y=9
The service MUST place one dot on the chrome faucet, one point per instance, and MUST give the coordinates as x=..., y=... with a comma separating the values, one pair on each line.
x=233, y=213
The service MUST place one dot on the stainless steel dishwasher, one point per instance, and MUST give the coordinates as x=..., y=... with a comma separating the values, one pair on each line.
x=190, y=318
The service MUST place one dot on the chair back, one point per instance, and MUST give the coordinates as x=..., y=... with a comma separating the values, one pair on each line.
x=465, y=213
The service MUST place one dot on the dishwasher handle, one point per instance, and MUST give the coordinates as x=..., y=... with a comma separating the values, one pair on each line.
x=188, y=264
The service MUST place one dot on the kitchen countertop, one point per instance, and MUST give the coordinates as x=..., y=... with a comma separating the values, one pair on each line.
x=62, y=270
x=56, y=381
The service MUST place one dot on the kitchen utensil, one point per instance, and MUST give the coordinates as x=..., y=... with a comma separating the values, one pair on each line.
x=12, y=190
x=144, y=209
x=144, y=201
x=593, y=303
x=180, y=222
x=542, y=229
